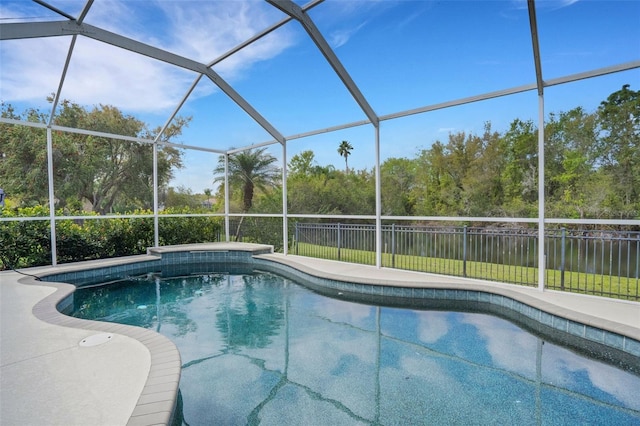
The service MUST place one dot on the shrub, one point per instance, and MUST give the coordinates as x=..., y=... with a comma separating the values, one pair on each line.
x=26, y=243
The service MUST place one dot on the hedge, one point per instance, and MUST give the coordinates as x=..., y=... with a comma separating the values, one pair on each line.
x=27, y=243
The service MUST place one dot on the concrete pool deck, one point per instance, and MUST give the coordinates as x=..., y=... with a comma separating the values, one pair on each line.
x=59, y=370
x=48, y=377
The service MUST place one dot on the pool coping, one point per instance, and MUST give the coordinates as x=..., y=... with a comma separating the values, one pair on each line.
x=157, y=401
x=562, y=311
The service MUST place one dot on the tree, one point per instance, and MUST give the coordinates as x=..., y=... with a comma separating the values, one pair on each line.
x=249, y=170
x=314, y=189
x=100, y=173
x=352, y=193
x=570, y=164
x=520, y=174
x=113, y=174
x=619, y=124
x=430, y=176
x=483, y=193
x=345, y=151
x=252, y=320
x=398, y=177
x=461, y=177
x=180, y=197
x=302, y=164
x=23, y=167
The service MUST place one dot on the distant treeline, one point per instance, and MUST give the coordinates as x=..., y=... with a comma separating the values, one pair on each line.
x=592, y=169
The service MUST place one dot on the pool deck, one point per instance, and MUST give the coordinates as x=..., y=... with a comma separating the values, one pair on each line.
x=47, y=377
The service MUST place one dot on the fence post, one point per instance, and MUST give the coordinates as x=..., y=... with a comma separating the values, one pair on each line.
x=464, y=251
x=393, y=245
x=562, y=254
x=338, y=241
x=297, y=238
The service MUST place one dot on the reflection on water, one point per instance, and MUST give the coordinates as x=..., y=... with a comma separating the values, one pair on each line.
x=259, y=349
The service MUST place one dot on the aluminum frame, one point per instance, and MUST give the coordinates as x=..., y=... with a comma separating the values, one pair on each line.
x=75, y=27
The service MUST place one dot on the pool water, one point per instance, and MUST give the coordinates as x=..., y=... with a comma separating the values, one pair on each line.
x=259, y=349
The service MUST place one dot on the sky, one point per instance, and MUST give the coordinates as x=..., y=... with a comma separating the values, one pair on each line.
x=401, y=54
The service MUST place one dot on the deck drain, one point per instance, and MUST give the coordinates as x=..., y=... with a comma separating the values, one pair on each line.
x=96, y=339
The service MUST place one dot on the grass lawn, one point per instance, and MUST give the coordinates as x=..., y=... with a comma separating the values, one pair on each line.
x=578, y=282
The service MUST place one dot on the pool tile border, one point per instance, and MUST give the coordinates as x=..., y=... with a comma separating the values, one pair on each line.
x=159, y=397
x=158, y=400
x=152, y=407
x=553, y=319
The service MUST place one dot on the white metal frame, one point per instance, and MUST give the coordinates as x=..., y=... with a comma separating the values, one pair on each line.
x=74, y=27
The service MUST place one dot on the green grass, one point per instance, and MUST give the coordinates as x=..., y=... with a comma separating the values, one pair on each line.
x=578, y=282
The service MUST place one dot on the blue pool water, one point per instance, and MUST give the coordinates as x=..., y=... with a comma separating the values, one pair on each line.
x=259, y=349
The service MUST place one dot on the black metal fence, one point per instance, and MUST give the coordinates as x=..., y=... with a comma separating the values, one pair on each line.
x=602, y=262
x=599, y=262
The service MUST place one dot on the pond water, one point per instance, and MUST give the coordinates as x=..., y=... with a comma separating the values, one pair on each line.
x=260, y=349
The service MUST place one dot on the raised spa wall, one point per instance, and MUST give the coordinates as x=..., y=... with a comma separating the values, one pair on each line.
x=178, y=260
x=159, y=398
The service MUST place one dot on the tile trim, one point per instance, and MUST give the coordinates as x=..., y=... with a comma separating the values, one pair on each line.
x=159, y=398
x=553, y=320
x=164, y=353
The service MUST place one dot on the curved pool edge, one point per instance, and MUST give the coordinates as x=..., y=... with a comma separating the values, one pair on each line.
x=603, y=318
x=157, y=402
x=158, y=398
x=611, y=322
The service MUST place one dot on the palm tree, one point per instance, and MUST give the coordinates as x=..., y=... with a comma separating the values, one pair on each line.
x=249, y=169
x=345, y=150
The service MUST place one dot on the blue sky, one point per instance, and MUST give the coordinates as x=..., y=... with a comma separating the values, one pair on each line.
x=401, y=54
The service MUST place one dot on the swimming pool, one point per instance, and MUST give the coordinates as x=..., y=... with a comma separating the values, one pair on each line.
x=259, y=348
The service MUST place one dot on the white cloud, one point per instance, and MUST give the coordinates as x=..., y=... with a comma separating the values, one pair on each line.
x=97, y=73
x=341, y=20
x=22, y=75
x=207, y=31
x=516, y=351
x=9, y=14
x=341, y=37
x=544, y=4
x=509, y=347
x=100, y=73
x=565, y=3
x=432, y=326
